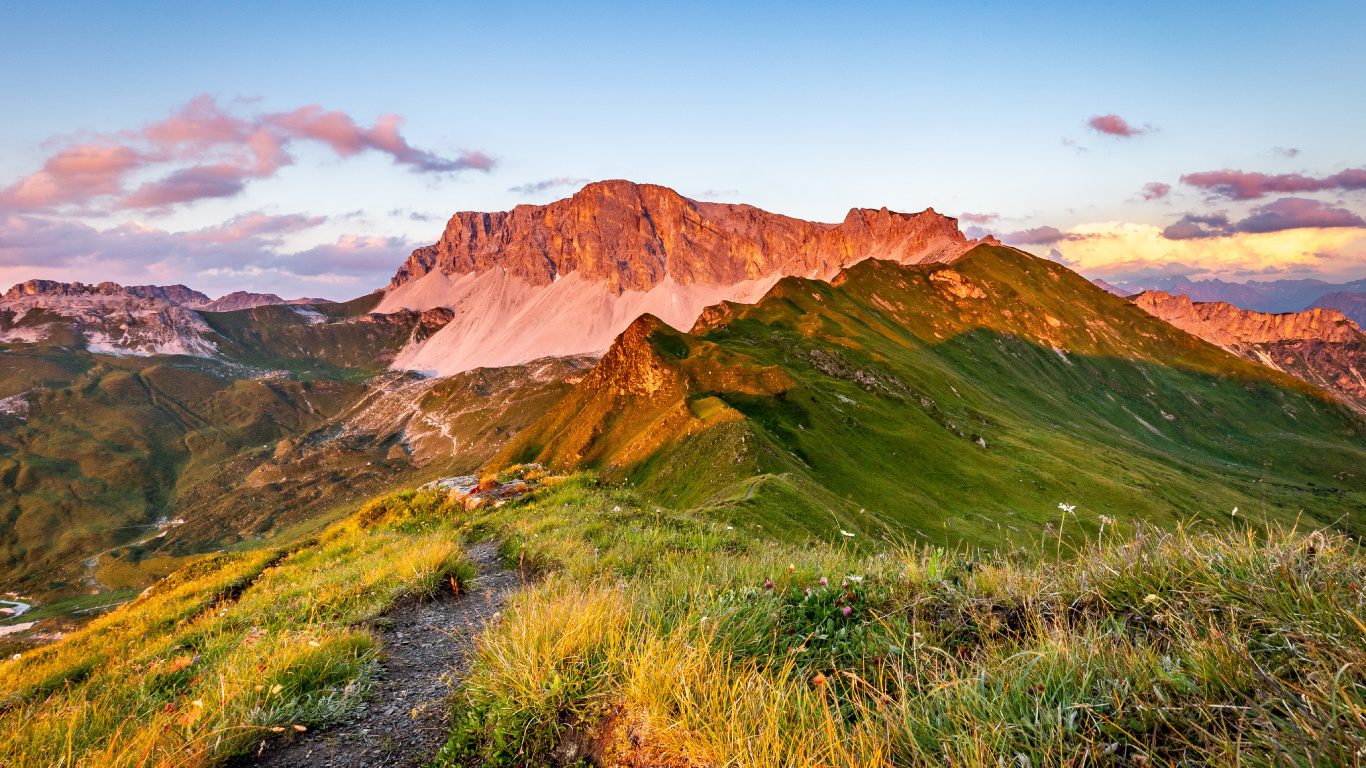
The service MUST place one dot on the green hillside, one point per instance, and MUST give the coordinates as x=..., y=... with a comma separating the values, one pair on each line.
x=951, y=404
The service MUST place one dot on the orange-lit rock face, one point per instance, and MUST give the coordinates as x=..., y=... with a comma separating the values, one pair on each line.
x=632, y=236
x=1227, y=325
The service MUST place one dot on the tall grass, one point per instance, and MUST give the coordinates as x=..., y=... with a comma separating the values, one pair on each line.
x=223, y=654
x=666, y=639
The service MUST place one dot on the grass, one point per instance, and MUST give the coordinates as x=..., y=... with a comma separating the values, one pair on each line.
x=224, y=653
x=671, y=639
x=654, y=636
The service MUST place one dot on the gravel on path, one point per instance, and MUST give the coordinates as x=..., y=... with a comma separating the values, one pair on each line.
x=426, y=649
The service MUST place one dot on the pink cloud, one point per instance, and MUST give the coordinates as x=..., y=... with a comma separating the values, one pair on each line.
x=1040, y=236
x=1242, y=185
x=209, y=152
x=1114, y=125
x=1155, y=190
x=979, y=218
x=254, y=225
x=1285, y=213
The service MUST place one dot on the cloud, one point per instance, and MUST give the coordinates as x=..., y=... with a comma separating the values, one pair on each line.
x=1242, y=185
x=1040, y=236
x=204, y=151
x=979, y=218
x=531, y=188
x=1296, y=213
x=1283, y=214
x=254, y=224
x=1155, y=190
x=1114, y=125
x=239, y=254
x=1127, y=251
x=1285, y=151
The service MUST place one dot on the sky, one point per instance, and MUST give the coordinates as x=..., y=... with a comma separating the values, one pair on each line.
x=306, y=151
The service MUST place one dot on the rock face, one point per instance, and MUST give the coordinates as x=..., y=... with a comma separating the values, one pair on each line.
x=1320, y=346
x=567, y=277
x=1227, y=325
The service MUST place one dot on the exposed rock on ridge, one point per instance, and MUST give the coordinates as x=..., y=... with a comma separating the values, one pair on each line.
x=634, y=235
x=1227, y=325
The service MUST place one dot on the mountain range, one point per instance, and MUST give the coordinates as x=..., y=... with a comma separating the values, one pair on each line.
x=1272, y=296
x=884, y=375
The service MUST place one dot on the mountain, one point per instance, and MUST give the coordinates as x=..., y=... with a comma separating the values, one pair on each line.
x=1275, y=296
x=52, y=293
x=567, y=277
x=952, y=403
x=239, y=300
x=106, y=318
x=1353, y=305
x=1320, y=346
x=1114, y=289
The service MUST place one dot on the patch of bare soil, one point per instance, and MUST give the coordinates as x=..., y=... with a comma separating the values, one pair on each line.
x=426, y=648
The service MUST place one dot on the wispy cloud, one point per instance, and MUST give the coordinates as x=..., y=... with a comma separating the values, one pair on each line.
x=1244, y=185
x=1040, y=236
x=205, y=151
x=534, y=187
x=1285, y=151
x=980, y=218
x=1114, y=125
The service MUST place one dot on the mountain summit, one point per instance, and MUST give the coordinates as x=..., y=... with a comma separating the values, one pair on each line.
x=568, y=277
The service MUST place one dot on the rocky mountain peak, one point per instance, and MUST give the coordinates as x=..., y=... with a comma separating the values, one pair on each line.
x=636, y=236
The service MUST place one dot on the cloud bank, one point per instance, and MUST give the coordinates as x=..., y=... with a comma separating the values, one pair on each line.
x=205, y=151
x=1244, y=185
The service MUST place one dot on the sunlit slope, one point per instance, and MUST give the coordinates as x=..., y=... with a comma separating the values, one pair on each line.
x=960, y=403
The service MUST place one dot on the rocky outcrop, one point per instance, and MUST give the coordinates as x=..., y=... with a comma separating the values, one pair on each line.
x=633, y=236
x=1227, y=325
x=1320, y=346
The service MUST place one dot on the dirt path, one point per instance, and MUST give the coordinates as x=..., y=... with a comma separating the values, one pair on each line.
x=406, y=719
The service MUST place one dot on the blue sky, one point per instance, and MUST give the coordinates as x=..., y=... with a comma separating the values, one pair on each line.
x=802, y=109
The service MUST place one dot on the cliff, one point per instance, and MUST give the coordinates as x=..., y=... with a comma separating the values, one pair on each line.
x=633, y=236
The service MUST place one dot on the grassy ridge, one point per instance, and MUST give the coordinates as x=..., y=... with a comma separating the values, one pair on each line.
x=224, y=653
x=661, y=638
x=954, y=404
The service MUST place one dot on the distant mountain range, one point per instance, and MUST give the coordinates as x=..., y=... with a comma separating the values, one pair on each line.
x=1274, y=296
